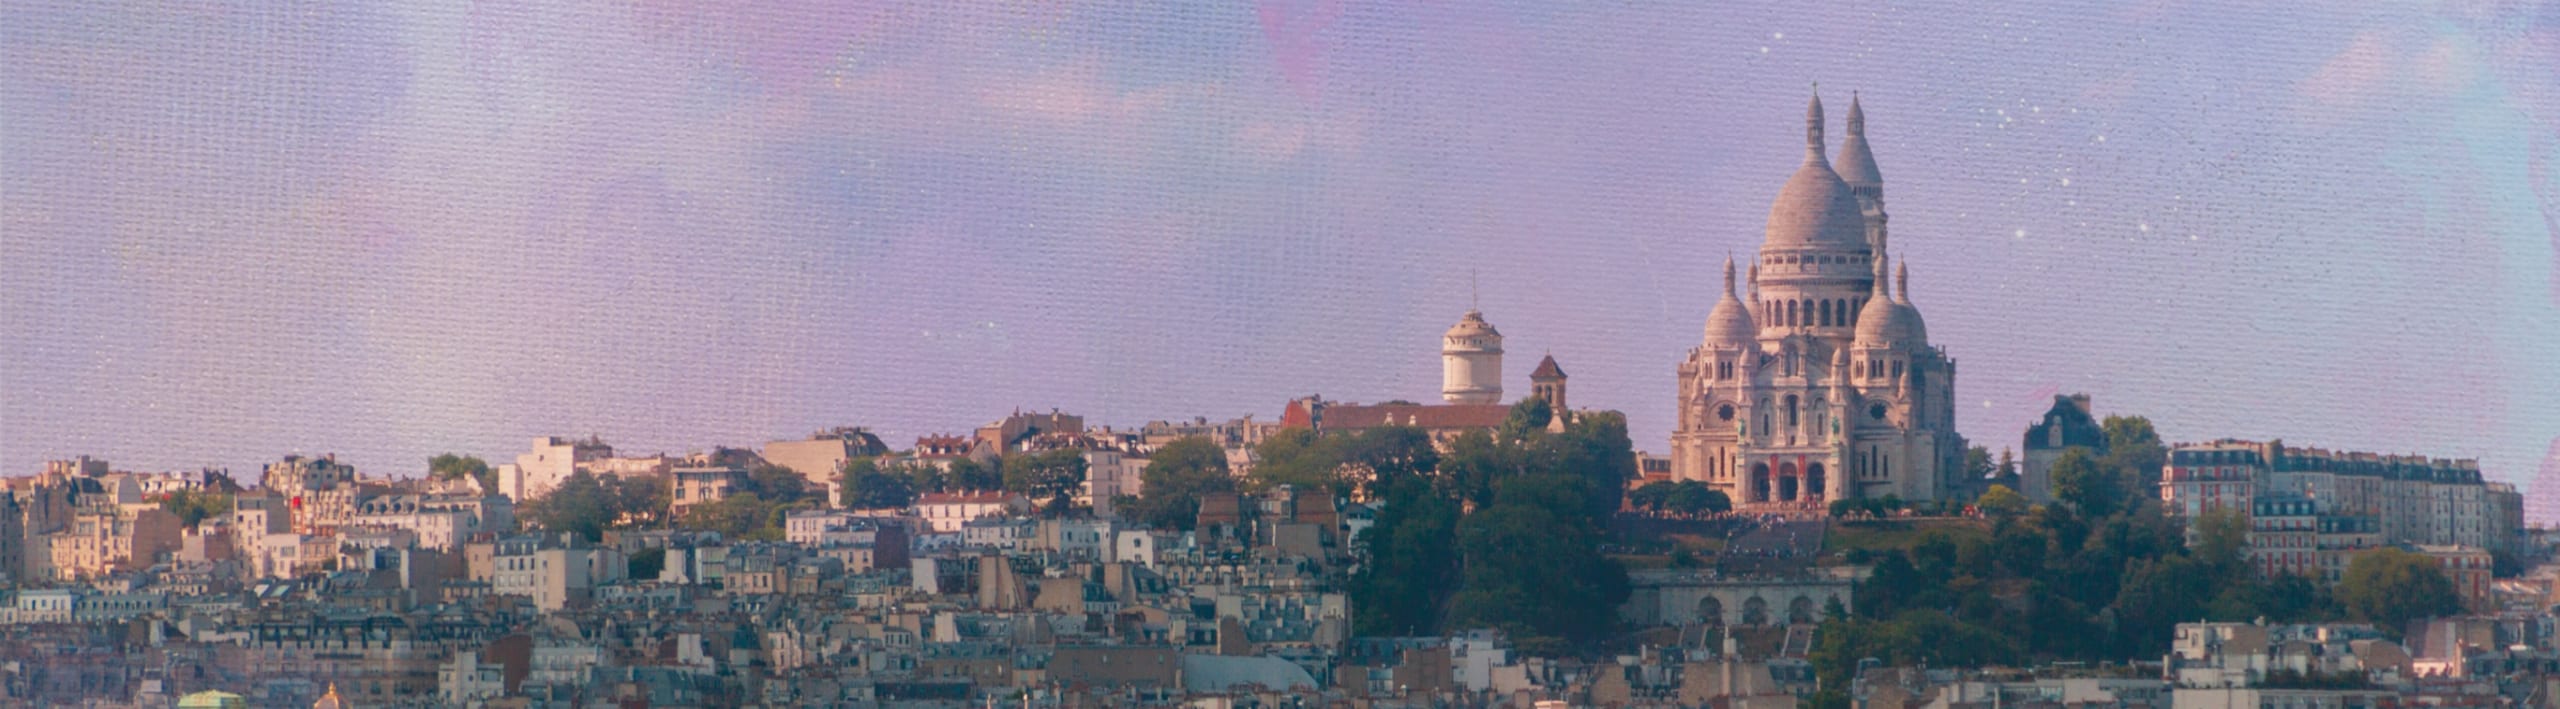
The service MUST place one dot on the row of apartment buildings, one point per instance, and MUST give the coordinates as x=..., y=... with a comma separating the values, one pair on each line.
x=2311, y=510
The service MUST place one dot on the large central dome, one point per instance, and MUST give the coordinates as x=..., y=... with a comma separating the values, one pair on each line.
x=1815, y=209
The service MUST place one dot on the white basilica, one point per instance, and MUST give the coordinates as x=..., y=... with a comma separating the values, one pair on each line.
x=1819, y=382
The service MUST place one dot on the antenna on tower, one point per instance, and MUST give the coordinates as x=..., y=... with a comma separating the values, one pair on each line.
x=1471, y=290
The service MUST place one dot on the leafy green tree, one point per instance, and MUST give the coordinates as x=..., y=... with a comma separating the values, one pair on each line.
x=740, y=515
x=2156, y=596
x=1054, y=476
x=2222, y=543
x=970, y=475
x=194, y=506
x=1476, y=460
x=1533, y=565
x=922, y=477
x=777, y=484
x=867, y=486
x=2134, y=450
x=1655, y=496
x=1694, y=498
x=1909, y=638
x=2001, y=503
x=1301, y=458
x=1175, y=478
x=637, y=500
x=449, y=467
x=2019, y=549
x=580, y=504
x=588, y=505
x=2088, y=486
x=1411, y=563
x=1594, y=447
x=2291, y=598
x=1977, y=463
x=2390, y=587
x=1527, y=418
x=1389, y=453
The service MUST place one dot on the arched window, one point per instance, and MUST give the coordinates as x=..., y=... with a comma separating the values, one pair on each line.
x=1791, y=313
x=1791, y=412
x=1826, y=313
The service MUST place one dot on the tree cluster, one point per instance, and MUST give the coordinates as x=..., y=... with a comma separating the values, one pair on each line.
x=194, y=506
x=2104, y=577
x=1686, y=497
x=868, y=485
x=755, y=507
x=588, y=505
x=1050, y=479
x=1175, y=478
x=1503, y=531
x=1877, y=507
x=449, y=467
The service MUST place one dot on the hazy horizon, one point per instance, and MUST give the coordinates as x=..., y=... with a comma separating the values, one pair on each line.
x=231, y=231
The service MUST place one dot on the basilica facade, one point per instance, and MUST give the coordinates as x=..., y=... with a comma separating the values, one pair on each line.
x=1817, y=381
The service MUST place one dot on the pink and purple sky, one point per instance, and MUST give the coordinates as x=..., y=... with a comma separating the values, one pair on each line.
x=232, y=230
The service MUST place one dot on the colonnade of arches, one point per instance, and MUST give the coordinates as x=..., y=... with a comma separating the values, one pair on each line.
x=1756, y=611
x=1811, y=312
x=1786, y=482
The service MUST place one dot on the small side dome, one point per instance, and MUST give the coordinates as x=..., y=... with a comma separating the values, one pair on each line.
x=1729, y=323
x=1888, y=321
x=1883, y=324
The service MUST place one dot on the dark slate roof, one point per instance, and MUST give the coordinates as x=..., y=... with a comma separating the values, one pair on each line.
x=1547, y=369
x=2076, y=426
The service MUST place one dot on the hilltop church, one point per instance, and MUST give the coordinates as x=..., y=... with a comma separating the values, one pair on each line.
x=1817, y=382
x=1470, y=387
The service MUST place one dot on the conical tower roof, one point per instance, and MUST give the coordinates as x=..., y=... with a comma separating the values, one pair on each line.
x=1546, y=370
x=1857, y=164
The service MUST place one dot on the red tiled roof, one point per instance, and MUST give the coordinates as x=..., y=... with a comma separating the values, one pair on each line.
x=1430, y=416
x=941, y=446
